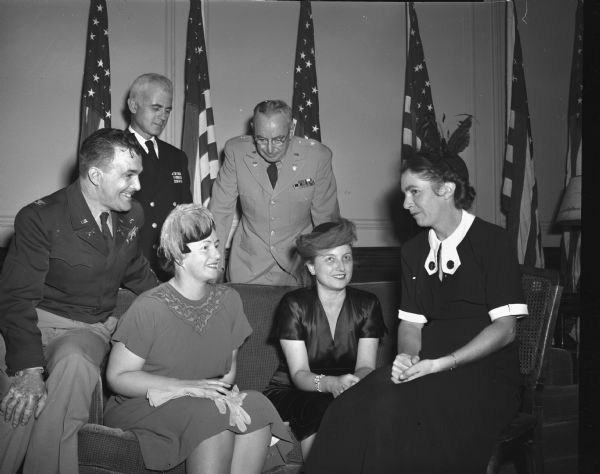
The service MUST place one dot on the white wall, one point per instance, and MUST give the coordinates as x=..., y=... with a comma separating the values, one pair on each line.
x=360, y=48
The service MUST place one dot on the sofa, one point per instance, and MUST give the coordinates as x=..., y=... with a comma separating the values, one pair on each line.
x=109, y=450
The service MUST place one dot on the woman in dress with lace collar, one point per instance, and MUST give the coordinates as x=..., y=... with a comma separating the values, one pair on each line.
x=173, y=363
x=455, y=381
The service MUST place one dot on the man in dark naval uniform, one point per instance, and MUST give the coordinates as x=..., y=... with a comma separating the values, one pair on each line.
x=165, y=181
x=58, y=288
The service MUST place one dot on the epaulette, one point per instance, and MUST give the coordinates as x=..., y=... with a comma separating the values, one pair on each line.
x=307, y=141
x=39, y=202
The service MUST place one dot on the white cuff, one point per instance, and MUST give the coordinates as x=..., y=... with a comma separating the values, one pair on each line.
x=519, y=310
x=411, y=317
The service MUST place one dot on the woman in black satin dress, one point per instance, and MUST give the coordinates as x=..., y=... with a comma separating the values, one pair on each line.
x=329, y=333
x=455, y=382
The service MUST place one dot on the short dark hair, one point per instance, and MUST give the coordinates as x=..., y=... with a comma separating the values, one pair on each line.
x=99, y=148
x=273, y=106
x=326, y=236
x=439, y=169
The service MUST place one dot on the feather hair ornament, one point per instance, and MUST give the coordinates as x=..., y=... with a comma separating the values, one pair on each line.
x=448, y=149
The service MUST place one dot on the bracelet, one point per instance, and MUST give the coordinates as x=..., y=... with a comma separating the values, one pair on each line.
x=455, y=362
x=317, y=381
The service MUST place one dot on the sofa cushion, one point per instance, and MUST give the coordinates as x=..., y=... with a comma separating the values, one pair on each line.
x=259, y=356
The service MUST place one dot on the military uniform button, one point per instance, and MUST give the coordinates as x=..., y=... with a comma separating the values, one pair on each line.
x=152, y=204
x=450, y=264
x=154, y=225
x=431, y=266
x=272, y=232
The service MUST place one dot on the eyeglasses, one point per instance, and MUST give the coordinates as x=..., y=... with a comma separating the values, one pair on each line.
x=277, y=141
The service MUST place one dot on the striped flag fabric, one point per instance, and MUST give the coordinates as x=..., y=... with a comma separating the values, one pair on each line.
x=95, y=98
x=519, y=198
x=198, y=138
x=305, y=102
x=418, y=100
x=571, y=238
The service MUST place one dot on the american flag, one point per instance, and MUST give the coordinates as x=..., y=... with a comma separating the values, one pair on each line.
x=95, y=99
x=198, y=139
x=305, y=104
x=571, y=241
x=418, y=101
x=519, y=199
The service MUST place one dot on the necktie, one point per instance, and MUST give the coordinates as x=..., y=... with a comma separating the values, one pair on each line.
x=105, y=230
x=151, y=151
x=272, y=172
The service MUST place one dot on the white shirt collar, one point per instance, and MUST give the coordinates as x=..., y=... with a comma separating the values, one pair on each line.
x=449, y=257
x=142, y=141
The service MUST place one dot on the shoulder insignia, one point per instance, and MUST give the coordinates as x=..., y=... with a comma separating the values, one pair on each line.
x=307, y=141
x=40, y=202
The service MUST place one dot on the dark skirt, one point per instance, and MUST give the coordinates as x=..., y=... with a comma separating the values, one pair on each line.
x=303, y=410
x=441, y=423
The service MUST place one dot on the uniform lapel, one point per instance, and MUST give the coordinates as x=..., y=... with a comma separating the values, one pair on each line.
x=292, y=166
x=83, y=223
x=258, y=170
x=125, y=229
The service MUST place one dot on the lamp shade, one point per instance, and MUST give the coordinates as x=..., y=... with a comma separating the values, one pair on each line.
x=569, y=213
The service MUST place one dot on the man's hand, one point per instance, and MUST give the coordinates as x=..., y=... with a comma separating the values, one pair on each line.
x=26, y=396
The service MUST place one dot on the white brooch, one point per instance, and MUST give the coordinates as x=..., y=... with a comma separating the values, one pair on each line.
x=131, y=235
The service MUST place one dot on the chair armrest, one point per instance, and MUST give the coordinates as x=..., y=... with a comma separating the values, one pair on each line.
x=559, y=370
x=93, y=429
x=108, y=450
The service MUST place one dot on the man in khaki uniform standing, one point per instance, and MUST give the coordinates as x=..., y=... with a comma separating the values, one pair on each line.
x=285, y=186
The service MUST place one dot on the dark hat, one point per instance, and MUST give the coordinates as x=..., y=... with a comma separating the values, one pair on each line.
x=457, y=164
